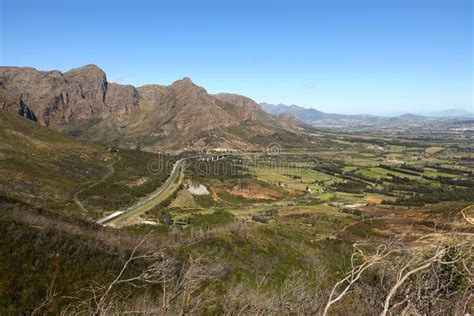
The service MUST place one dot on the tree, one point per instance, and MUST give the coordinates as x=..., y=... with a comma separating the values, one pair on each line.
x=417, y=281
x=360, y=262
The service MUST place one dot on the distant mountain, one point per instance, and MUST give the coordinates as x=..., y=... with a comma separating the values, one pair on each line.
x=359, y=123
x=82, y=103
x=296, y=111
x=410, y=116
x=318, y=118
x=301, y=113
x=450, y=113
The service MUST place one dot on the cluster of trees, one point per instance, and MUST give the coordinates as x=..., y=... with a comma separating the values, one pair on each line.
x=393, y=142
x=349, y=187
x=401, y=170
x=383, y=191
x=264, y=217
x=294, y=177
x=219, y=169
x=412, y=168
x=449, y=170
x=396, y=179
x=468, y=183
x=365, y=178
x=431, y=194
x=329, y=169
x=336, y=171
x=353, y=211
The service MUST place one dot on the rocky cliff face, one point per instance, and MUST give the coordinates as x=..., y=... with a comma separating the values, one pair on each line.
x=122, y=100
x=154, y=117
x=71, y=101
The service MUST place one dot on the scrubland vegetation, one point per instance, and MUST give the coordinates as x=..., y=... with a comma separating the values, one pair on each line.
x=346, y=225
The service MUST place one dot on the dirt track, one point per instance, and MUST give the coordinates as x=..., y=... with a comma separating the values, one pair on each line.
x=110, y=172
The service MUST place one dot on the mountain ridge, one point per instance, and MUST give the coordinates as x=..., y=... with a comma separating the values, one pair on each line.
x=82, y=103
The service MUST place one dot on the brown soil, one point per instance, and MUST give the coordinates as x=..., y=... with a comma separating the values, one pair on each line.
x=254, y=193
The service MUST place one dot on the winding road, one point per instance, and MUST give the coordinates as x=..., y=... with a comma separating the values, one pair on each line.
x=110, y=172
x=118, y=216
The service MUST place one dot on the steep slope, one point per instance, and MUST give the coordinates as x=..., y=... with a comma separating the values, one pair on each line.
x=175, y=116
x=43, y=167
x=248, y=108
x=181, y=106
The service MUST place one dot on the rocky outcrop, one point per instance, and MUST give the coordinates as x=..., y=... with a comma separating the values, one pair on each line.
x=15, y=104
x=122, y=100
x=26, y=112
x=246, y=104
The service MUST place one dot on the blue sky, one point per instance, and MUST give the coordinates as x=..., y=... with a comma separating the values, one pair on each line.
x=385, y=56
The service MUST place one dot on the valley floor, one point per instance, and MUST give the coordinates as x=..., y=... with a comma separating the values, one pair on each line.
x=274, y=232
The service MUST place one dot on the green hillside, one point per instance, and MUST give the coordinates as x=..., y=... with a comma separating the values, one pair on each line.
x=45, y=167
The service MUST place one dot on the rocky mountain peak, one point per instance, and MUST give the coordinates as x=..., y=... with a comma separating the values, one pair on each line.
x=90, y=69
x=87, y=74
x=186, y=83
x=187, y=92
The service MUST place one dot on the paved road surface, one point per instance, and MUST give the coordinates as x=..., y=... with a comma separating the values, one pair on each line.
x=172, y=178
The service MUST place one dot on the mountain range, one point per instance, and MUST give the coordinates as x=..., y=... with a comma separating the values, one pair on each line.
x=309, y=115
x=181, y=116
x=449, y=113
